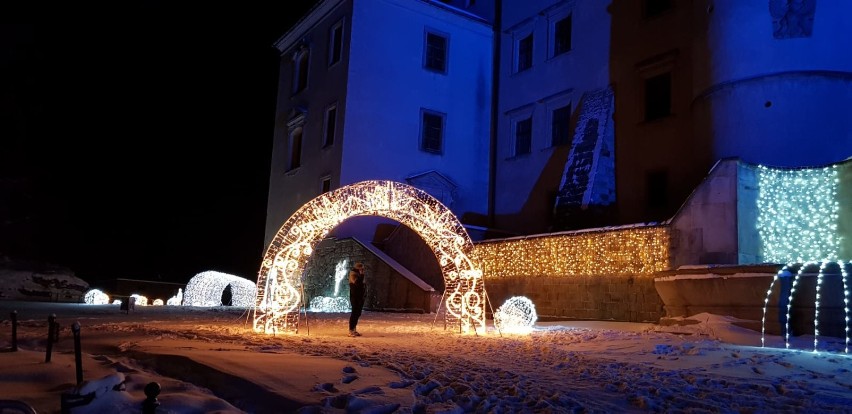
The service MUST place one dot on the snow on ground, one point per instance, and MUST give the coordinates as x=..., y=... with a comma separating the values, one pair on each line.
x=209, y=360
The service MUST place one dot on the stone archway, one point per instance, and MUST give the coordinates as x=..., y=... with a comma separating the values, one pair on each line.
x=279, y=281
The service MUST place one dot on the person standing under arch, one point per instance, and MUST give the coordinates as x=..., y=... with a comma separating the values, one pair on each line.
x=357, y=293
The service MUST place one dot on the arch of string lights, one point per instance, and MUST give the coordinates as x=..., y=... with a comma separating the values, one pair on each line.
x=798, y=212
x=279, y=280
x=206, y=288
x=611, y=251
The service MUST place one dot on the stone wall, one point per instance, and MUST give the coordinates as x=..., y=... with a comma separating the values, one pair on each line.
x=598, y=297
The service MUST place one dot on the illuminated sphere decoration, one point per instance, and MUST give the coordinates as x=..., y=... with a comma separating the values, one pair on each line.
x=517, y=315
x=279, y=282
x=140, y=300
x=158, y=302
x=96, y=297
x=206, y=289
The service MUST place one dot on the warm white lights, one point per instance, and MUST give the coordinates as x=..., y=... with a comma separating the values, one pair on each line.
x=206, y=289
x=327, y=304
x=279, y=281
x=140, y=300
x=797, y=214
x=609, y=251
x=158, y=302
x=176, y=300
x=517, y=316
x=96, y=297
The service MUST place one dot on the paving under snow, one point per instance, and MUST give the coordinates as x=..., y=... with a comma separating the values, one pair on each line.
x=209, y=360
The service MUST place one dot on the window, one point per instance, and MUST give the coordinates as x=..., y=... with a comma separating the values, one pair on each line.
x=335, y=43
x=436, y=53
x=300, y=70
x=523, y=136
x=562, y=36
x=330, y=128
x=295, y=149
x=656, y=187
x=326, y=185
x=653, y=8
x=560, y=123
x=432, y=131
x=525, y=50
x=658, y=96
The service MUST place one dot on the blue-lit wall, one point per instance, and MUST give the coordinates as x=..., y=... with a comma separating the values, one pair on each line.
x=388, y=86
x=769, y=95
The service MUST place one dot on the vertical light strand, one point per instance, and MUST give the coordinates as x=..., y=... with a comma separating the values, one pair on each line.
x=766, y=303
x=816, y=302
x=790, y=304
x=844, y=272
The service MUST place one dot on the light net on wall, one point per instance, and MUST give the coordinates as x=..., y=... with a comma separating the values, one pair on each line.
x=96, y=297
x=619, y=251
x=797, y=214
x=206, y=289
x=279, y=282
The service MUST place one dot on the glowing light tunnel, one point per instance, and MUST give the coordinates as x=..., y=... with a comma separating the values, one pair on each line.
x=206, y=289
x=279, y=283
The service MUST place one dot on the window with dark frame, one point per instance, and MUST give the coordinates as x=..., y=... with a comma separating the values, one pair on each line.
x=562, y=36
x=657, y=189
x=525, y=50
x=295, y=149
x=658, y=96
x=326, y=185
x=432, y=131
x=300, y=70
x=335, y=47
x=523, y=136
x=653, y=8
x=436, y=52
x=330, y=126
x=560, y=123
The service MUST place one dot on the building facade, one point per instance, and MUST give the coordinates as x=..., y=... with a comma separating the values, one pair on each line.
x=384, y=89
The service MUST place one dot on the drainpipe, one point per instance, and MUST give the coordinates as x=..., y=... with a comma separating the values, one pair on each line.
x=495, y=95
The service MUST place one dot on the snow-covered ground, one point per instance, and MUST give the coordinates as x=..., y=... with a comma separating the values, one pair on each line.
x=209, y=360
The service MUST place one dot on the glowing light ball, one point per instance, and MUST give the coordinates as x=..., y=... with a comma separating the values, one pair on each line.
x=176, y=300
x=96, y=297
x=327, y=304
x=517, y=315
x=140, y=300
x=279, y=280
x=116, y=302
x=158, y=302
x=206, y=288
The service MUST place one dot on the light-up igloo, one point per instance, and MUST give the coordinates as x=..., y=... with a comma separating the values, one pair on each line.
x=207, y=288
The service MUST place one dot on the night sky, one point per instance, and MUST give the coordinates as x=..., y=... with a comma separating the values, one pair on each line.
x=141, y=150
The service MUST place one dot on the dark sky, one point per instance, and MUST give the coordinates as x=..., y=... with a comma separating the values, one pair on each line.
x=141, y=148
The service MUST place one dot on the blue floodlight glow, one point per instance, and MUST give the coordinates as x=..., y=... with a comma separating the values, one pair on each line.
x=797, y=214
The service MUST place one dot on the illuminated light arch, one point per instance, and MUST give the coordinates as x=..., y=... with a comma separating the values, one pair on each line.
x=279, y=280
x=206, y=288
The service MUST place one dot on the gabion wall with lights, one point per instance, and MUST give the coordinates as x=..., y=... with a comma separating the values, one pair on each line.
x=627, y=251
x=279, y=285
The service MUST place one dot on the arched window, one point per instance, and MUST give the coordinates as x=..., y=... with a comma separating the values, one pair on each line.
x=295, y=148
x=300, y=69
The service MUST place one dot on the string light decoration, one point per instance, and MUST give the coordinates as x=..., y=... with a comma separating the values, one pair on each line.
x=517, y=315
x=158, y=302
x=116, y=302
x=330, y=304
x=206, y=288
x=609, y=251
x=140, y=300
x=176, y=300
x=96, y=297
x=820, y=270
x=797, y=213
x=279, y=282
